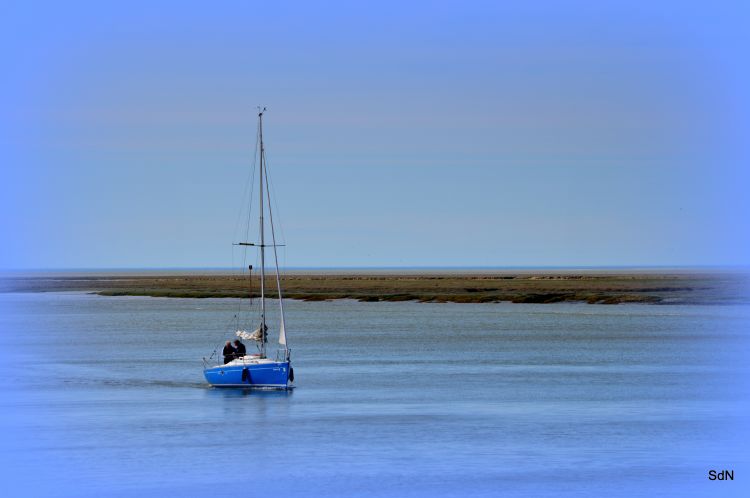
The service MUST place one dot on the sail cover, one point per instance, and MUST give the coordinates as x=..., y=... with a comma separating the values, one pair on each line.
x=250, y=336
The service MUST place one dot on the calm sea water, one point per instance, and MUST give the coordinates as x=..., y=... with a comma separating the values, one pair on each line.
x=105, y=396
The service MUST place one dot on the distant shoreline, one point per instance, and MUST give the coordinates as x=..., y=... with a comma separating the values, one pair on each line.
x=220, y=270
x=594, y=286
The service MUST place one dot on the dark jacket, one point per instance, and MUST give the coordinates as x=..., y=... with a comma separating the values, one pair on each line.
x=229, y=354
x=240, y=350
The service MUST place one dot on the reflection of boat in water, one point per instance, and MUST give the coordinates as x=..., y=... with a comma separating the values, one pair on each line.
x=260, y=393
x=257, y=370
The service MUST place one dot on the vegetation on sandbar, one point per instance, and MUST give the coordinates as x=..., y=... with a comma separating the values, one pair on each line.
x=594, y=287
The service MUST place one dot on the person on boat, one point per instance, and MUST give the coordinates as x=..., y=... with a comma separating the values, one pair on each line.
x=239, y=349
x=229, y=352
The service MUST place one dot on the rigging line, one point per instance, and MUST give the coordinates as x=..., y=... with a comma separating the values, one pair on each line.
x=227, y=327
x=214, y=351
x=248, y=186
x=249, y=215
x=253, y=303
x=276, y=260
x=254, y=306
x=252, y=185
x=280, y=223
x=239, y=301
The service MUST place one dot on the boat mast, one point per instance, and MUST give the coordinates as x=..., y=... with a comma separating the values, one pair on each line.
x=262, y=247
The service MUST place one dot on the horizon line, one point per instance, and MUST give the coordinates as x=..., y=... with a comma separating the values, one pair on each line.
x=383, y=267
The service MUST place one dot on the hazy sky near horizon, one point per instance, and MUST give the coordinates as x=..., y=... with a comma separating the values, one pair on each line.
x=428, y=134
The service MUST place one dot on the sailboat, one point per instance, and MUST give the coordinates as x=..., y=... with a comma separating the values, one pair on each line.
x=257, y=370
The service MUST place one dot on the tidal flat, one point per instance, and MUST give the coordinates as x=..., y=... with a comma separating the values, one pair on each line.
x=438, y=286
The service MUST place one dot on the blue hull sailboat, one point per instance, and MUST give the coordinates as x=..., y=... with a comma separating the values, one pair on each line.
x=251, y=372
x=257, y=370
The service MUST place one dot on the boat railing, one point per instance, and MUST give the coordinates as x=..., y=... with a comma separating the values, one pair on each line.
x=283, y=354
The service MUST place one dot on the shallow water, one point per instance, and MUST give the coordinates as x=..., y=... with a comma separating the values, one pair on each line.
x=105, y=396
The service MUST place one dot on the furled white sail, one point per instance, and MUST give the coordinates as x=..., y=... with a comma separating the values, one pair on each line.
x=282, y=332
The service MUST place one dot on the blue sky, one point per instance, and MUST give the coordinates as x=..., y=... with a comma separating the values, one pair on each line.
x=428, y=134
